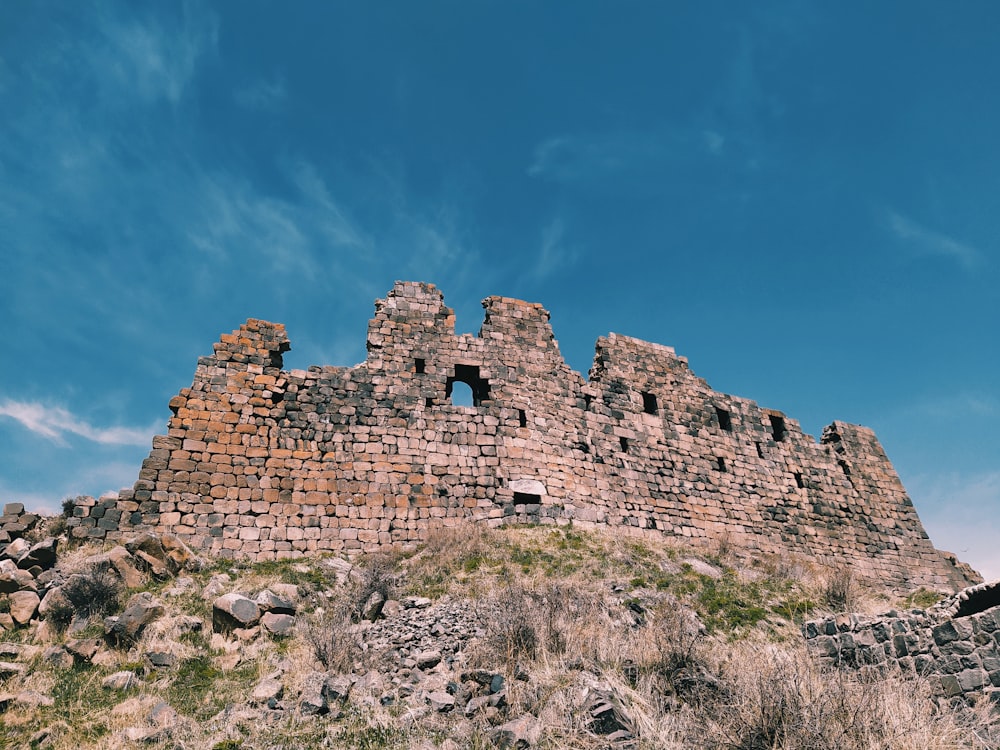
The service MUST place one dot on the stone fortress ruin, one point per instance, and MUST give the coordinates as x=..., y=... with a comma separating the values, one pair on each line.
x=265, y=463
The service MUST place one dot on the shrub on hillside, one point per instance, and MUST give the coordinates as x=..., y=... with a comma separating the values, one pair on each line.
x=93, y=593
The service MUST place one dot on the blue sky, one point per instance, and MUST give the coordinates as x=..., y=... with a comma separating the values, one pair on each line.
x=803, y=199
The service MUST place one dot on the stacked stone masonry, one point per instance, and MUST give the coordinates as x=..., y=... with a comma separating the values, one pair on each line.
x=956, y=643
x=265, y=463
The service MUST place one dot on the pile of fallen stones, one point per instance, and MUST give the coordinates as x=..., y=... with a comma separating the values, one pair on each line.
x=23, y=565
x=412, y=652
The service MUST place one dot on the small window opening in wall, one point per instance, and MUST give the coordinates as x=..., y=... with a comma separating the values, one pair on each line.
x=778, y=427
x=419, y=365
x=476, y=390
x=428, y=401
x=798, y=480
x=623, y=442
x=720, y=462
x=526, y=498
x=760, y=451
x=587, y=399
x=522, y=418
x=649, y=403
x=725, y=421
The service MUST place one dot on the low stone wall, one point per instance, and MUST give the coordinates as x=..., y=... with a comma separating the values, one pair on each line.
x=956, y=643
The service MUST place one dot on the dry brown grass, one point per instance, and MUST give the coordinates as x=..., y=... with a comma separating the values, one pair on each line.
x=572, y=612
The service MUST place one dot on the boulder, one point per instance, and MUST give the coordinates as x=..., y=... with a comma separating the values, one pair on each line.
x=428, y=659
x=268, y=601
x=23, y=606
x=9, y=669
x=371, y=610
x=277, y=624
x=41, y=555
x=16, y=550
x=83, y=649
x=523, y=732
x=440, y=701
x=312, y=698
x=142, y=609
x=267, y=691
x=177, y=555
x=124, y=680
x=12, y=578
x=234, y=611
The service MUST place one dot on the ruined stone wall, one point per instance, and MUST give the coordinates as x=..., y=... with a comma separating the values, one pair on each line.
x=956, y=643
x=263, y=462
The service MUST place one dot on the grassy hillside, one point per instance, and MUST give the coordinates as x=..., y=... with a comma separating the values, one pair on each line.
x=529, y=637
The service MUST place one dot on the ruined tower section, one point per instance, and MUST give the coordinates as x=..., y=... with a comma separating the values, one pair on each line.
x=262, y=462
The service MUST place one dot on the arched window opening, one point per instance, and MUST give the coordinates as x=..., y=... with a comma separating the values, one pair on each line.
x=460, y=394
x=472, y=390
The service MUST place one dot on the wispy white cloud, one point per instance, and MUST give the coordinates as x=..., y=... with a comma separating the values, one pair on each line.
x=262, y=95
x=147, y=56
x=923, y=241
x=630, y=159
x=592, y=156
x=962, y=515
x=962, y=405
x=554, y=254
x=232, y=220
x=56, y=423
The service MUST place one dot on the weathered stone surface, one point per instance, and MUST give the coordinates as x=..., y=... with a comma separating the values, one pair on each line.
x=84, y=649
x=428, y=659
x=669, y=455
x=41, y=555
x=277, y=624
x=268, y=601
x=142, y=609
x=13, y=578
x=372, y=608
x=23, y=606
x=312, y=698
x=123, y=680
x=267, y=691
x=15, y=550
x=441, y=701
x=955, y=649
x=232, y=611
x=59, y=657
x=523, y=732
